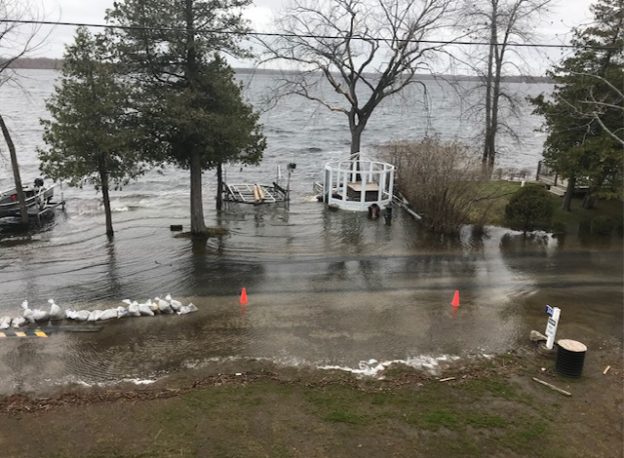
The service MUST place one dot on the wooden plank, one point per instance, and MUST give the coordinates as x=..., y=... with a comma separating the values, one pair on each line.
x=357, y=186
x=552, y=387
x=556, y=190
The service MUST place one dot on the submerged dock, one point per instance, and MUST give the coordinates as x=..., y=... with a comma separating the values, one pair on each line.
x=256, y=194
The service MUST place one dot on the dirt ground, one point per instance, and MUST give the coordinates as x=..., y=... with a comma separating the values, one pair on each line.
x=485, y=408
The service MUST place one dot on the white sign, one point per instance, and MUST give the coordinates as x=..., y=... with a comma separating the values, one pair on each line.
x=551, y=326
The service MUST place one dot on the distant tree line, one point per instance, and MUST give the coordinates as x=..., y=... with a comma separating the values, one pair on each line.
x=43, y=63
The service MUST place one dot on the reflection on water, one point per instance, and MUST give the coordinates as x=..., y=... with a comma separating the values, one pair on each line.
x=325, y=289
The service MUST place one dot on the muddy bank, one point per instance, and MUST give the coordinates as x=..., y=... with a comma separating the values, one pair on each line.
x=484, y=407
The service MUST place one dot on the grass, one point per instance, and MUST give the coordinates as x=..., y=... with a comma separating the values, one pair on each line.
x=494, y=196
x=476, y=417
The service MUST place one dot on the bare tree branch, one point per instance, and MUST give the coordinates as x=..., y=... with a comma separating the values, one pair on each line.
x=503, y=23
x=16, y=40
x=378, y=54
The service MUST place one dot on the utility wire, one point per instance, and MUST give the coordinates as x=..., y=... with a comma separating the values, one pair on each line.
x=296, y=35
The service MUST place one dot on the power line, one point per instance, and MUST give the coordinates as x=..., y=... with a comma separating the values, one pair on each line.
x=295, y=35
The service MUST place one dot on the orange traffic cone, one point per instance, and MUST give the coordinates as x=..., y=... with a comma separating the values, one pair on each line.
x=243, y=298
x=455, y=301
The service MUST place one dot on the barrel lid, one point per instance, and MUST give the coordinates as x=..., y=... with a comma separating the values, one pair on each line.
x=572, y=345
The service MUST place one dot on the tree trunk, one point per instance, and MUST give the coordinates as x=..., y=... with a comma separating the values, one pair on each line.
x=106, y=198
x=567, y=197
x=488, y=92
x=588, y=200
x=496, y=90
x=198, y=225
x=16, y=175
x=356, y=137
x=494, y=120
x=219, y=186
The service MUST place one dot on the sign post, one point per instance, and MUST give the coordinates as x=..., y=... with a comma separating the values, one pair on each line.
x=551, y=326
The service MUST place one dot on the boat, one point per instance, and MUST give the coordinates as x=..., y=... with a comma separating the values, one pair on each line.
x=37, y=196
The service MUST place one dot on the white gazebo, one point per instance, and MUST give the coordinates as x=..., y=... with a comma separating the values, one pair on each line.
x=357, y=184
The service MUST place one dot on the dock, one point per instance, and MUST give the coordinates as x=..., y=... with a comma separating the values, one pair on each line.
x=256, y=194
x=557, y=185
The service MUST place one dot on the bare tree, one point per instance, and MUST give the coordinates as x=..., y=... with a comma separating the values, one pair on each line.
x=595, y=107
x=366, y=49
x=16, y=40
x=503, y=23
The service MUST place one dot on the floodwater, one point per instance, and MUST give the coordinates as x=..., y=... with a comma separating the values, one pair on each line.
x=353, y=291
x=326, y=289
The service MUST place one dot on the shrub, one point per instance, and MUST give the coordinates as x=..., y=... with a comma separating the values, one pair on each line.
x=439, y=179
x=602, y=225
x=528, y=209
x=558, y=227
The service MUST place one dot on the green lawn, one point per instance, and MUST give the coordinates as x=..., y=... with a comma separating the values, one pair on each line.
x=604, y=219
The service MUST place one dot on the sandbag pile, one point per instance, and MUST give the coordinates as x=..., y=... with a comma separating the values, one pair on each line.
x=166, y=306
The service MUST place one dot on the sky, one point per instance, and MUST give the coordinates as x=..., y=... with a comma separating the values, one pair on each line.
x=555, y=28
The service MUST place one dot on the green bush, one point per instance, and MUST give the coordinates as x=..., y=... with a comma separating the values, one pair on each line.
x=529, y=209
x=602, y=225
x=558, y=227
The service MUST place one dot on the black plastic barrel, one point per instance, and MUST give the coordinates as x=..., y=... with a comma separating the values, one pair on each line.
x=570, y=357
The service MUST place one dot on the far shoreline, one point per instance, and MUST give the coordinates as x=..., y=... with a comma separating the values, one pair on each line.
x=45, y=63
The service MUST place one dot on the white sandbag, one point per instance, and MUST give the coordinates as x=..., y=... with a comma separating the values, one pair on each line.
x=187, y=309
x=175, y=305
x=27, y=313
x=108, y=314
x=82, y=315
x=163, y=306
x=146, y=309
x=94, y=315
x=122, y=312
x=133, y=309
x=41, y=315
x=18, y=322
x=5, y=322
x=55, y=311
x=153, y=307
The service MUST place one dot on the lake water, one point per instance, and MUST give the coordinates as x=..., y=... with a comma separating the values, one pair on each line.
x=326, y=288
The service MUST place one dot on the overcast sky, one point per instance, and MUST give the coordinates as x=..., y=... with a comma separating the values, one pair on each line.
x=556, y=29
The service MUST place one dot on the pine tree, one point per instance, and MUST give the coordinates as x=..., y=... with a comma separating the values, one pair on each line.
x=91, y=136
x=190, y=103
x=582, y=142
